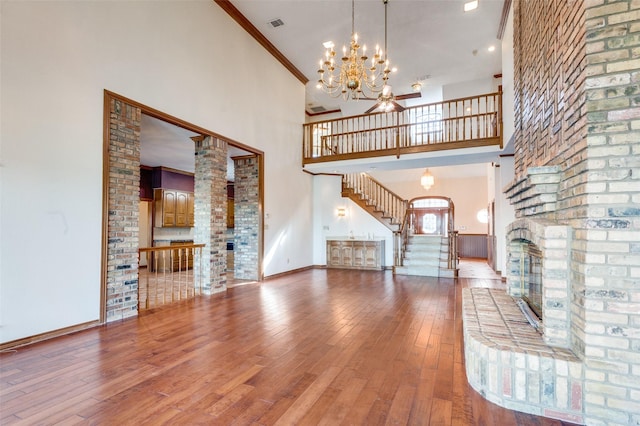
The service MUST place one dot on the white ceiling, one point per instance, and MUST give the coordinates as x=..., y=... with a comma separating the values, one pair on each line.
x=164, y=144
x=433, y=41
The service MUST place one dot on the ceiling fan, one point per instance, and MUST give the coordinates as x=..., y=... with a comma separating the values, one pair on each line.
x=386, y=101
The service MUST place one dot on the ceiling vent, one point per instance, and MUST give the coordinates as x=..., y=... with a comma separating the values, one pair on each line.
x=275, y=23
x=318, y=109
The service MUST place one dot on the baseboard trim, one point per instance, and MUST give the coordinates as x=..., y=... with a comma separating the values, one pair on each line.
x=293, y=271
x=48, y=335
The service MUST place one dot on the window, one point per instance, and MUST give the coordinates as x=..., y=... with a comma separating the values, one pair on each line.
x=430, y=202
x=429, y=223
x=426, y=126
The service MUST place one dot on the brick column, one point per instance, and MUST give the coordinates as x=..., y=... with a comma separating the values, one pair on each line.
x=611, y=231
x=124, y=196
x=210, y=212
x=247, y=218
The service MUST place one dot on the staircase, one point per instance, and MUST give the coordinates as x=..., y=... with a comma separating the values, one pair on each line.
x=424, y=255
x=427, y=256
x=373, y=197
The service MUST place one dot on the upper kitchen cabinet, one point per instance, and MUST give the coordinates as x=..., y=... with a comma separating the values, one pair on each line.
x=173, y=208
x=190, y=207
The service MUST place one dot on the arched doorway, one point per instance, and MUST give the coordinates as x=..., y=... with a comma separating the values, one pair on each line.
x=432, y=215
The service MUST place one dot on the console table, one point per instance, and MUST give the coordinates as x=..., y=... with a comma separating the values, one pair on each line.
x=355, y=254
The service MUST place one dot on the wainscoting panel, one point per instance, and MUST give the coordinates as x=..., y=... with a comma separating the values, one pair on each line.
x=472, y=245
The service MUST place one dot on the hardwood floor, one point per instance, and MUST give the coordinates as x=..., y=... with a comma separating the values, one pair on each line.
x=323, y=347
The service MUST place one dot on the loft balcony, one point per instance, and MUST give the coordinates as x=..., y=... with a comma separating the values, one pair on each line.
x=455, y=124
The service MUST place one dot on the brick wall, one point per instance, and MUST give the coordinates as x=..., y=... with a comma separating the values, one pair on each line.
x=610, y=232
x=124, y=193
x=247, y=217
x=210, y=212
x=548, y=80
x=577, y=105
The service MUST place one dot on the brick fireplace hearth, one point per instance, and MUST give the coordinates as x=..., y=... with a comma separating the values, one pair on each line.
x=508, y=361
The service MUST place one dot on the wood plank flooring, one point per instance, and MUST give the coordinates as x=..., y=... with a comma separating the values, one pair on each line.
x=324, y=347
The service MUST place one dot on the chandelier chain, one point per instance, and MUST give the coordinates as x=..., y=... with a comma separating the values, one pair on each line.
x=353, y=79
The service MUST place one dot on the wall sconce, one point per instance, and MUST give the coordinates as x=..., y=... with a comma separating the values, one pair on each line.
x=342, y=211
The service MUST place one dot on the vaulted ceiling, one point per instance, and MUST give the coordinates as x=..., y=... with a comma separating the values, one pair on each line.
x=433, y=42
x=430, y=41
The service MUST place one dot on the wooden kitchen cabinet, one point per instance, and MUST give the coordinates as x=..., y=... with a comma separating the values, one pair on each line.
x=182, y=215
x=190, y=209
x=355, y=254
x=230, y=213
x=173, y=208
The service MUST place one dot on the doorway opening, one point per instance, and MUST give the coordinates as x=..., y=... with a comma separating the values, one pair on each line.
x=431, y=215
x=124, y=149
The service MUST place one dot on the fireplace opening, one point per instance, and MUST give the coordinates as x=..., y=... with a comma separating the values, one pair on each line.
x=531, y=277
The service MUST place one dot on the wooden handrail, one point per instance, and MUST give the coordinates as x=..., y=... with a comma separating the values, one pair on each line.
x=406, y=126
x=387, y=203
x=161, y=248
x=452, y=101
x=393, y=194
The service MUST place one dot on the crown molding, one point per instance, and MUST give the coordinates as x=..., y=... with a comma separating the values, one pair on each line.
x=260, y=38
x=503, y=19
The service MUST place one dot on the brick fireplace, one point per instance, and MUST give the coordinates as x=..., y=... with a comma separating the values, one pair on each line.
x=508, y=361
x=534, y=194
x=575, y=194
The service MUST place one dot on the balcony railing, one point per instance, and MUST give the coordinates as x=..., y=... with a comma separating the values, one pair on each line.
x=457, y=123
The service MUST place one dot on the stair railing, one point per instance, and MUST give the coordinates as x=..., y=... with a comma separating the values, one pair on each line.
x=453, y=250
x=401, y=238
x=376, y=195
x=452, y=234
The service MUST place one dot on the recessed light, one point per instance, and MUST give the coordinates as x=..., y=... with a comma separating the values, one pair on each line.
x=470, y=5
x=491, y=48
x=328, y=44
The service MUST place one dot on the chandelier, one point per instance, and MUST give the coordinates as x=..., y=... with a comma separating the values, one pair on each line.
x=353, y=77
x=427, y=180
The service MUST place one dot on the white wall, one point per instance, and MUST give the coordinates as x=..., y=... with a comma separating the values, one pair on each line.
x=469, y=194
x=187, y=59
x=465, y=89
x=505, y=213
x=326, y=223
